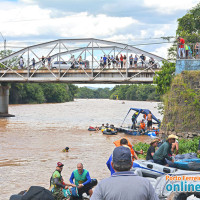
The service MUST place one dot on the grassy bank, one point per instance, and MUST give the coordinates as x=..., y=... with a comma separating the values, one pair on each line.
x=185, y=146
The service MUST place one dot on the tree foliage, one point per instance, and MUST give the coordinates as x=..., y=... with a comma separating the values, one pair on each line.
x=164, y=77
x=41, y=93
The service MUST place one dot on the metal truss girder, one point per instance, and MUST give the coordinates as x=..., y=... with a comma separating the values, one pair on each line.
x=120, y=45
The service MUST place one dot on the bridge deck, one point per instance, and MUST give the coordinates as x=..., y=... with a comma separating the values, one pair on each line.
x=131, y=75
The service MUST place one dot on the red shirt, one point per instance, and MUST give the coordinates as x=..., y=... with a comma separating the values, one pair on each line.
x=121, y=58
x=182, y=42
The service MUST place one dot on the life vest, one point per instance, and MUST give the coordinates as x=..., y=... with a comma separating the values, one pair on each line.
x=117, y=144
x=142, y=125
x=53, y=187
x=80, y=178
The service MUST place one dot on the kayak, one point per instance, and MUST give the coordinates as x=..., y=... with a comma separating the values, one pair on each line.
x=188, y=164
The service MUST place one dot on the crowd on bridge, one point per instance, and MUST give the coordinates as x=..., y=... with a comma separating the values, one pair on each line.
x=105, y=61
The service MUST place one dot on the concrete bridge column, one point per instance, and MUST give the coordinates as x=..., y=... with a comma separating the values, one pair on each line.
x=4, y=101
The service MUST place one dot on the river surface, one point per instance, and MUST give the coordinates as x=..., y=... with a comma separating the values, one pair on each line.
x=31, y=143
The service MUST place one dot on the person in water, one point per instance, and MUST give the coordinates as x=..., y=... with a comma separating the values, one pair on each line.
x=82, y=180
x=57, y=184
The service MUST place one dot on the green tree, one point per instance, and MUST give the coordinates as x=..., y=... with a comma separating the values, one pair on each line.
x=164, y=77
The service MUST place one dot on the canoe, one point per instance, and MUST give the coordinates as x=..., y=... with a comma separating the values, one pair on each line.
x=188, y=164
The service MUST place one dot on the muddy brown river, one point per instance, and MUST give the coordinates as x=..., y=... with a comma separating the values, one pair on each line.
x=31, y=143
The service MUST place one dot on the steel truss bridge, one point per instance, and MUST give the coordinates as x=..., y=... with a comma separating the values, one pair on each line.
x=89, y=49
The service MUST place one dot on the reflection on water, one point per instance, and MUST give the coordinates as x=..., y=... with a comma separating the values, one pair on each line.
x=31, y=143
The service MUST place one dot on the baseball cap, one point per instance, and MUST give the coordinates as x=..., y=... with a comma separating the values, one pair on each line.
x=59, y=164
x=122, y=155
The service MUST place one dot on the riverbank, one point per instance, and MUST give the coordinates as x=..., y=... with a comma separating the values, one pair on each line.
x=182, y=106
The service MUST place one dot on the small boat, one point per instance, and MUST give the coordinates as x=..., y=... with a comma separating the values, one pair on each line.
x=188, y=164
x=131, y=131
x=110, y=132
x=153, y=170
x=92, y=128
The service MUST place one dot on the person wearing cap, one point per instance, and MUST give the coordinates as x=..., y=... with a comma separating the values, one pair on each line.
x=56, y=183
x=124, y=184
x=123, y=142
x=82, y=180
x=164, y=151
x=152, y=150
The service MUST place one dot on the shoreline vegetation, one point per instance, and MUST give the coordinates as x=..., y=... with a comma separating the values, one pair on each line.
x=33, y=93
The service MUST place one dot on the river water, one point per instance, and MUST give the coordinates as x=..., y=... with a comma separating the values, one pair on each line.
x=31, y=143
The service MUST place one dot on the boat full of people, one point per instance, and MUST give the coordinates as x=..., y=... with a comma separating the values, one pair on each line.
x=149, y=125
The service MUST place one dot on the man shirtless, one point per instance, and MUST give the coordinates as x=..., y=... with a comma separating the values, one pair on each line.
x=149, y=121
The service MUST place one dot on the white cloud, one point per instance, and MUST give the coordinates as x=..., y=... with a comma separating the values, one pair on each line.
x=170, y=6
x=19, y=21
x=162, y=51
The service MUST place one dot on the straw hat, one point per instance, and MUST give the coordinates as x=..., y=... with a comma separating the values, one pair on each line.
x=153, y=141
x=172, y=137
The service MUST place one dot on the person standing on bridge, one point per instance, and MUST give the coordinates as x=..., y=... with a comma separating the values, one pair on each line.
x=117, y=61
x=21, y=62
x=49, y=61
x=121, y=60
x=131, y=60
x=33, y=63
x=104, y=61
x=124, y=60
x=142, y=59
x=135, y=60
x=43, y=61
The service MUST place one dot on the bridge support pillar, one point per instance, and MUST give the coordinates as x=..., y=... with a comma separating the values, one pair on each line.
x=4, y=101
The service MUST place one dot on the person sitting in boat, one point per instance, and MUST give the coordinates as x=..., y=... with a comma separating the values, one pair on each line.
x=164, y=151
x=107, y=125
x=142, y=127
x=152, y=150
x=134, y=116
x=102, y=128
x=175, y=148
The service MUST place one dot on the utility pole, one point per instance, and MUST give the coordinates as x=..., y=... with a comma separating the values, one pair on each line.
x=4, y=40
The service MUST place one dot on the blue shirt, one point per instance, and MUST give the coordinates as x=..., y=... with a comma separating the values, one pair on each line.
x=112, y=171
x=104, y=59
x=86, y=182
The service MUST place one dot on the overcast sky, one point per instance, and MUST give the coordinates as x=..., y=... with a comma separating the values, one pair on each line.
x=26, y=22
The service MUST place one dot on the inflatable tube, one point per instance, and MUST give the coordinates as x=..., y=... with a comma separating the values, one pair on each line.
x=188, y=164
x=91, y=129
x=110, y=132
x=152, y=170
